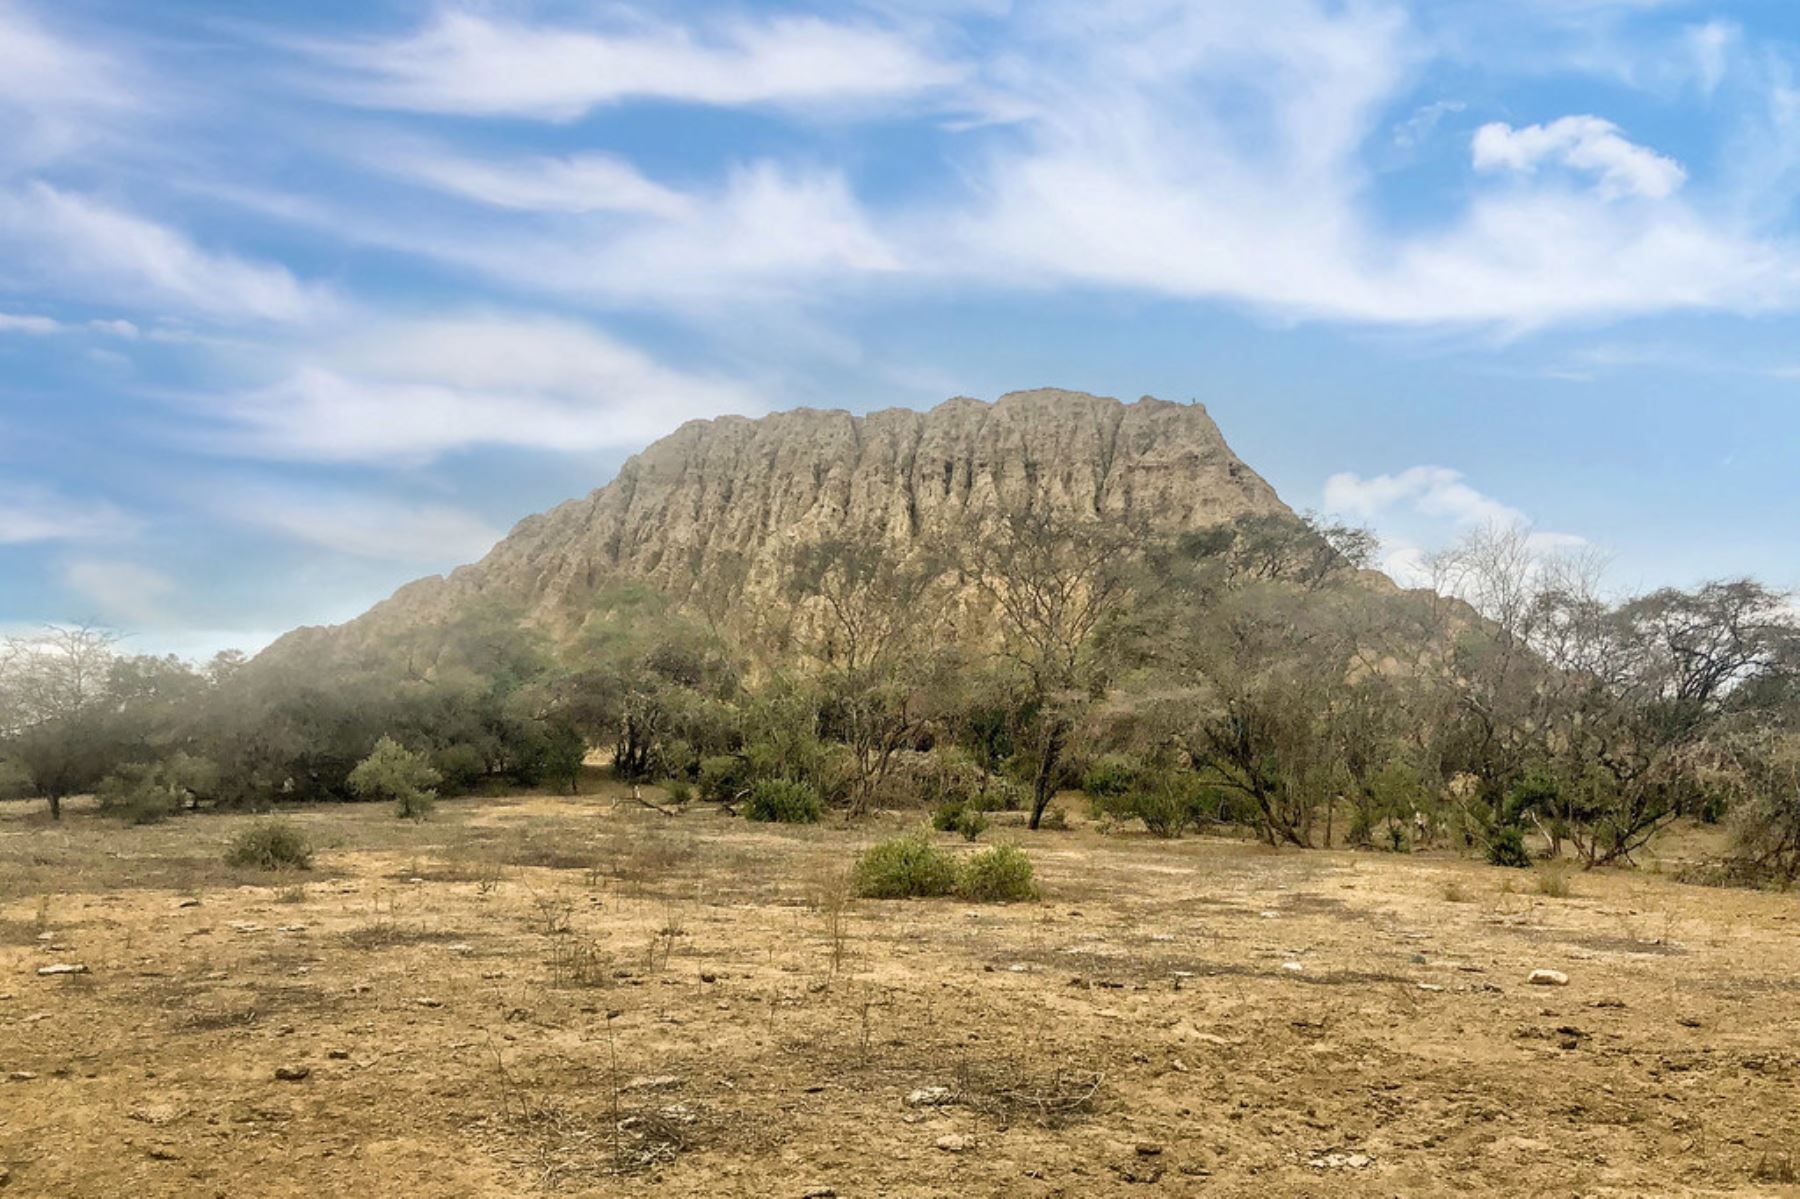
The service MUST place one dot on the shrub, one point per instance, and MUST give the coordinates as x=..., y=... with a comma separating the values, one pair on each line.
x=998, y=875
x=1507, y=847
x=908, y=867
x=1168, y=804
x=397, y=774
x=784, y=801
x=271, y=845
x=142, y=793
x=956, y=817
x=723, y=777
x=1000, y=794
x=1110, y=775
x=15, y=781
x=461, y=766
x=1553, y=880
x=679, y=789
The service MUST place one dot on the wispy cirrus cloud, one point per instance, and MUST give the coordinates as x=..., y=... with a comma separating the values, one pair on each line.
x=36, y=514
x=362, y=524
x=76, y=245
x=462, y=62
x=414, y=391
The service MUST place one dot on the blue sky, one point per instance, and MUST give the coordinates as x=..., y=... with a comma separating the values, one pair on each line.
x=298, y=302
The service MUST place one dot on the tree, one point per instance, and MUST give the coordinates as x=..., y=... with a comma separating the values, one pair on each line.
x=865, y=615
x=1054, y=581
x=399, y=775
x=58, y=713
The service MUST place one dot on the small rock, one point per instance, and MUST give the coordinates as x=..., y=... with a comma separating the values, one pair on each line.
x=1293, y=967
x=820, y=1193
x=1548, y=978
x=707, y=976
x=954, y=1142
x=1147, y=1149
x=20, y=1076
x=188, y=903
x=1432, y=987
x=931, y=1097
x=653, y=1082
x=61, y=968
x=293, y=1073
x=428, y=1001
x=338, y=1055
x=162, y=1154
x=5, y=1176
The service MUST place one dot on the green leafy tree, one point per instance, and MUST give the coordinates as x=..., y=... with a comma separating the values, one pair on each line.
x=396, y=774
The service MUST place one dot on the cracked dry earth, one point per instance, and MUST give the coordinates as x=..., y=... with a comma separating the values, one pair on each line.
x=578, y=996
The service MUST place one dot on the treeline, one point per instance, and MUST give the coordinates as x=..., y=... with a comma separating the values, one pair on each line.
x=1253, y=676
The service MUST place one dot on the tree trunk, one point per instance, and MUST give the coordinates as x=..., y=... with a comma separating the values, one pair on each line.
x=55, y=806
x=1041, y=791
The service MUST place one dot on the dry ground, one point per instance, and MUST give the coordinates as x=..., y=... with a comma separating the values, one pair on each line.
x=581, y=998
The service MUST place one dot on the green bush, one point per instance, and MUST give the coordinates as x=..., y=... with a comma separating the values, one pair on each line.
x=999, y=875
x=1001, y=794
x=1168, y=804
x=723, y=777
x=146, y=793
x=397, y=774
x=1507, y=847
x=679, y=789
x=271, y=845
x=1110, y=775
x=462, y=766
x=784, y=801
x=954, y=817
x=908, y=867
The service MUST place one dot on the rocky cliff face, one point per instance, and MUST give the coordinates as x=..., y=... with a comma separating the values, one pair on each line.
x=720, y=504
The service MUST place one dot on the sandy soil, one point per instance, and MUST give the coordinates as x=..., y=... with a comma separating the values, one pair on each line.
x=579, y=997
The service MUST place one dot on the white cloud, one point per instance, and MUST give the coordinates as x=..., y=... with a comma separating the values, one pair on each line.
x=363, y=525
x=767, y=232
x=578, y=183
x=120, y=590
x=1582, y=143
x=57, y=95
x=81, y=245
x=414, y=391
x=1428, y=504
x=31, y=514
x=465, y=63
x=1418, y=128
x=33, y=325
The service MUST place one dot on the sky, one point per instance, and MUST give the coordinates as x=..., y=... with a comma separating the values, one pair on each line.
x=301, y=301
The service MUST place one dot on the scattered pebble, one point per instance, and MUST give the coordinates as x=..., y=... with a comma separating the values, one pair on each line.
x=293, y=1073
x=820, y=1193
x=954, y=1142
x=1293, y=967
x=1148, y=1149
x=428, y=1001
x=61, y=968
x=1548, y=978
x=20, y=1076
x=1341, y=1161
x=652, y=1082
x=188, y=903
x=338, y=1055
x=930, y=1097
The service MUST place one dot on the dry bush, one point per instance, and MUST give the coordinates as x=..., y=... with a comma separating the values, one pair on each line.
x=1555, y=880
x=271, y=845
